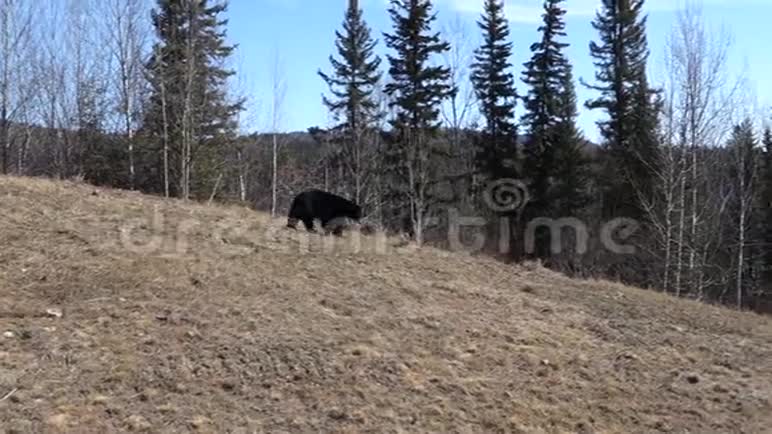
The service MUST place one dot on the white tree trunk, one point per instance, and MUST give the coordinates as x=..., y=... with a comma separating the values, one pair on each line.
x=681, y=230
x=740, y=257
x=165, y=121
x=278, y=89
x=242, y=176
x=274, y=175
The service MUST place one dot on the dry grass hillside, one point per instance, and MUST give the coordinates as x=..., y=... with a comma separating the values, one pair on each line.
x=122, y=312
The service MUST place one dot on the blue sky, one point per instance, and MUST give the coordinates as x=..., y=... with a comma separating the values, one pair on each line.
x=300, y=33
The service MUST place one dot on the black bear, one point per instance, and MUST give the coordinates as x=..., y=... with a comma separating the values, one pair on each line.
x=329, y=208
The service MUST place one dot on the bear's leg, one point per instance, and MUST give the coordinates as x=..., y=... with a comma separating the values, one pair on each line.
x=292, y=223
x=297, y=211
x=309, y=224
x=334, y=226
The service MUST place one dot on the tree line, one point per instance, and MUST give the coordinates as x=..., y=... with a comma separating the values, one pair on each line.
x=134, y=95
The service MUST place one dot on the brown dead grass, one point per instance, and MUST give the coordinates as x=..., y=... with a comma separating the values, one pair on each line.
x=239, y=325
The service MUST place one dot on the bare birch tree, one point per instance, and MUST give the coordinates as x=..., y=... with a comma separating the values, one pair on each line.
x=663, y=206
x=50, y=70
x=742, y=177
x=86, y=82
x=16, y=78
x=161, y=74
x=244, y=160
x=458, y=111
x=278, y=91
x=127, y=31
x=697, y=118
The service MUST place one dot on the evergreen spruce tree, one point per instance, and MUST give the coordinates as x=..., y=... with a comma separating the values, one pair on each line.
x=494, y=84
x=572, y=165
x=417, y=89
x=554, y=164
x=645, y=140
x=629, y=133
x=352, y=102
x=189, y=105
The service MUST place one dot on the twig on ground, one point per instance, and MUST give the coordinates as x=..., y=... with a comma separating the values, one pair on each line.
x=8, y=395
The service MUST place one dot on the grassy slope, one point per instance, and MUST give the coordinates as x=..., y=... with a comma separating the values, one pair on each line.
x=248, y=332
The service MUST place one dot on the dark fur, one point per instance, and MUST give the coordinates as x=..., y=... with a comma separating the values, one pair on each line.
x=329, y=208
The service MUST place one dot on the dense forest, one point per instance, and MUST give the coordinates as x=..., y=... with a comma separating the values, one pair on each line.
x=676, y=196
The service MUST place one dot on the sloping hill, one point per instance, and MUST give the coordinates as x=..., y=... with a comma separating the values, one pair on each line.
x=126, y=312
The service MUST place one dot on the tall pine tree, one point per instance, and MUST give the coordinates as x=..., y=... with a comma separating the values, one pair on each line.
x=190, y=110
x=494, y=84
x=554, y=165
x=572, y=164
x=352, y=102
x=629, y=133
x=417, y=89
